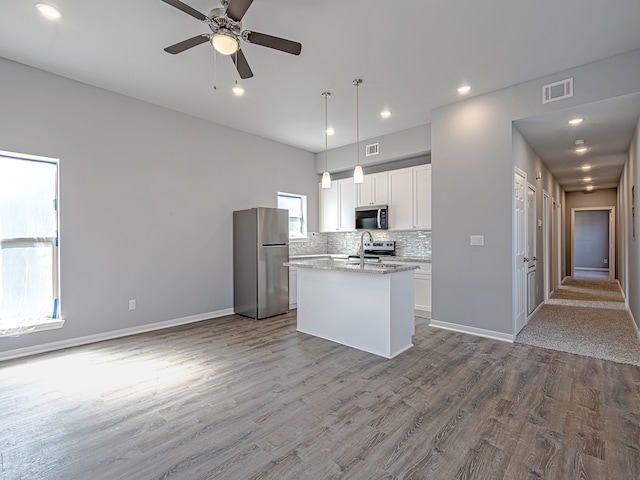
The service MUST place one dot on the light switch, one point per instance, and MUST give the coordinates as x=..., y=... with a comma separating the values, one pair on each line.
x=476, y=240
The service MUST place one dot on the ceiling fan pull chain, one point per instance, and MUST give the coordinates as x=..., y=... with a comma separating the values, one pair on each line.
x=215, y=70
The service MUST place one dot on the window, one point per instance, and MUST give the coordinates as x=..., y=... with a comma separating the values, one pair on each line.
x=28, y=244
x=297, y=206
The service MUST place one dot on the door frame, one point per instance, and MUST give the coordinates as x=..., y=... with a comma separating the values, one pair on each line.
x=546, y=257
x=612, y=237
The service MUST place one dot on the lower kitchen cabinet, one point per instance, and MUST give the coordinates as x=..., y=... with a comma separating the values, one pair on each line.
x=293, y=287
x=422, y=286
x=423, y=290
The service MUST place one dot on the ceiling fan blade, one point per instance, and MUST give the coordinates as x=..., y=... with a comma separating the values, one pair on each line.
x=241, y=64
x=237, y=8
x=187, y=44
x=270, y=41
x=186, y=9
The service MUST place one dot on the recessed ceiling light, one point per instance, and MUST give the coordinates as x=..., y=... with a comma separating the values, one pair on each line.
x=575, y=121
x=579, y=142
x=589, y=187
x=587, y=179
x=581, y=149
x=48, y=11
x=586, y=167
x=330, y=131
x=464, y=89
x=238, y=90
x=385, y=114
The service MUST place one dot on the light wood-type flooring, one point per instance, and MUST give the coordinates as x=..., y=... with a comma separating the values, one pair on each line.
x=234, y=398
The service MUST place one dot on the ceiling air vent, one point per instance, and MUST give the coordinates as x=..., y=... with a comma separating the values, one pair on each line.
x=371, y=149
x=557, y=91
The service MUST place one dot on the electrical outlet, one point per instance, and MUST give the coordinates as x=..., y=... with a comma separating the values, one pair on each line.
x=606, y=260
x=132, y=304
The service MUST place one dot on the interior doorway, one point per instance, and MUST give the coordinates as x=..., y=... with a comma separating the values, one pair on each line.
x=593, y=242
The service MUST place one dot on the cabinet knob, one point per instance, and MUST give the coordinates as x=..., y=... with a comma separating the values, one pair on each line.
x=535, y=258
x=525, y=259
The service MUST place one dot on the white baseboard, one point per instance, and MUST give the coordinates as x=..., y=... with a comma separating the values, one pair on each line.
x=125, y=332
x=422, y=311
x=479, y=332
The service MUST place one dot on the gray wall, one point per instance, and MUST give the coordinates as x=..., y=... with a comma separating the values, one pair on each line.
x=472, y=166
x=591, y=239
x=146, y=199
x=413, y=142
x=628, y=241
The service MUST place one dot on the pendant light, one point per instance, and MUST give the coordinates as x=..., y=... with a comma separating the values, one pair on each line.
x=358, y=175
x=326, y=176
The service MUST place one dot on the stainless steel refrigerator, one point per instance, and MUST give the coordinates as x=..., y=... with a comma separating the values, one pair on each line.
x=260, y=247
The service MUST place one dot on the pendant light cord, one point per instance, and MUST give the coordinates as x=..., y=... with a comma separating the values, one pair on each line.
x=357, y=82
x=326, y=126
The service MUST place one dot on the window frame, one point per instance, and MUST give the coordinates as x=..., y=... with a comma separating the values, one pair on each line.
x=302, y=233
x=55, y=320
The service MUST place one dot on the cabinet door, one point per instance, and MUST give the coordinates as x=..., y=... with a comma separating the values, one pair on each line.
x=423, y=291
x=366, y=191
x=401, y=199
x=348, y=199
x=422, y=197
x=380, y=188
x=329, y=201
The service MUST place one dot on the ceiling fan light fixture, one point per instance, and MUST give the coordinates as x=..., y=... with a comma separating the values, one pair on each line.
x=225, y=43
x=48, y=11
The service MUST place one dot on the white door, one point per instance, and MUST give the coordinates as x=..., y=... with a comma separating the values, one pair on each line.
x=519, y=247
x=532, y=252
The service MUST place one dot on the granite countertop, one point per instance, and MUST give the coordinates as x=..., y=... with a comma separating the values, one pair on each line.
x=384, y=259
x=325, y=262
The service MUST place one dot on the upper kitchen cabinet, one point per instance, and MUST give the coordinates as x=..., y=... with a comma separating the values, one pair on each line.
x=422, y=197
x=410, y=198
x=374, y=190
x=337, y=206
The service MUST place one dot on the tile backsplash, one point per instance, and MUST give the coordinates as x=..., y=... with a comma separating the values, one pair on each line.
x=409, y=243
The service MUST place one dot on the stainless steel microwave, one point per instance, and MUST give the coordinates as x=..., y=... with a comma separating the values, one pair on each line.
x=373, y=217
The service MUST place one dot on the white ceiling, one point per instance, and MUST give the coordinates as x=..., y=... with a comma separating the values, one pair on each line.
x=411, y=55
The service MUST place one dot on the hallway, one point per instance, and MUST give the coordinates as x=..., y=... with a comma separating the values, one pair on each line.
x=585, y=316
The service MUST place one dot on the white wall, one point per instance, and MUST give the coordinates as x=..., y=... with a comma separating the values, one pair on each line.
x=146, y=200
x=472, y=167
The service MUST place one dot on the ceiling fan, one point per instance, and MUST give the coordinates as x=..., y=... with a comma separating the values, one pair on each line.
x=226, y=27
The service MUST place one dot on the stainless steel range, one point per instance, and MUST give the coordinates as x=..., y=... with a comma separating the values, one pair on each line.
x=374, y=250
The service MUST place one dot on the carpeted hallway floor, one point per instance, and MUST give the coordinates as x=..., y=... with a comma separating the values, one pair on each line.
x=585, y=317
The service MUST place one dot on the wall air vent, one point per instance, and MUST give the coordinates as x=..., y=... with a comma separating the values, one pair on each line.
x=371, y=149
x=557, y=91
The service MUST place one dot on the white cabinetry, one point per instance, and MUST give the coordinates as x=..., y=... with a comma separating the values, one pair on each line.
x=401, y=199
x=422, y=287
x=422, y=278
x=337, y=206
x=374, y=190
x=410, y=198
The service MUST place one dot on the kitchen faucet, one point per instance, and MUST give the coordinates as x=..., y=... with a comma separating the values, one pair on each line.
x=361, y=252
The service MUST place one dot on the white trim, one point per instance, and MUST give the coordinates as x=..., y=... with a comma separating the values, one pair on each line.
x=540, y=305
x=75, y=342
x=612, y=237
x=41, y=326
x=422, y=311
x=479, y=332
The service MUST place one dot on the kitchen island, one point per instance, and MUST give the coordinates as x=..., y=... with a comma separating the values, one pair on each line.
x=369, y=307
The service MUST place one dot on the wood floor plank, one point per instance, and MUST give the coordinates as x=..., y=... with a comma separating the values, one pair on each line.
x=236, y=398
